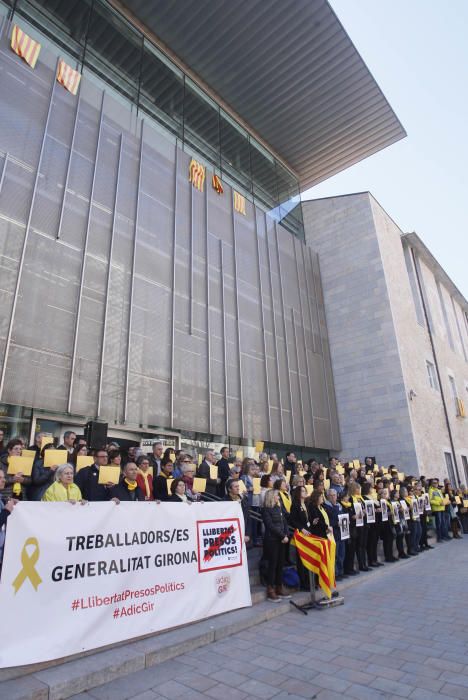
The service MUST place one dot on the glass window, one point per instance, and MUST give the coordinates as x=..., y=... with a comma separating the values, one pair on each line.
x=235, y=153
x=263, y=175
x=201, y=122
x=431, y=373
x=114, y=50
x=162, y=89
x=449, y=465
x=64, y=21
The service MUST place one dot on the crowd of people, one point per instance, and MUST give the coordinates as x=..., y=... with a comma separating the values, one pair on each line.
x=357, y=504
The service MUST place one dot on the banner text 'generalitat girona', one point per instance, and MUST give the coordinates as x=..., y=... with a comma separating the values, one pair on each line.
x=80, y=577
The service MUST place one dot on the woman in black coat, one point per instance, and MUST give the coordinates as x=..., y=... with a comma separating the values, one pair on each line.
x=318, y=518
x=299, y=520
x=275, y=537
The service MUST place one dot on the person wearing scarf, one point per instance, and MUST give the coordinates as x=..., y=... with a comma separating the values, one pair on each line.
x=388, y=527
x=178, y=494
x=63, y=488
x=127, y=489
x=318, y=517
x=145, y=477
x=281, y=485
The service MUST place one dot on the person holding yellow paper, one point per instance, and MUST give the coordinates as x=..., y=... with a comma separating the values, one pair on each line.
x=79, y=451
x=41, y=476
x=87, y=479
x=63, y=488
x=160, y=491
x=16, y=484
x=203, y=472
x=127, y=489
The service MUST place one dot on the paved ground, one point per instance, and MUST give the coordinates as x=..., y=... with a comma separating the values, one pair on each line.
x=402, y=632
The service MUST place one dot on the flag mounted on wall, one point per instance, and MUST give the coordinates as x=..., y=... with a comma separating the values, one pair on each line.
x=239, y=203
x=24, y=46
x=197, y=174
x=217, y=185
x=69, y=78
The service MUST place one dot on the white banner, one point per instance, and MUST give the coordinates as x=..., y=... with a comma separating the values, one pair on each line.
x=79, y=577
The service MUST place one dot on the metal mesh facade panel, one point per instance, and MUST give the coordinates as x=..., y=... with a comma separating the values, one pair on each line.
x=138, y=298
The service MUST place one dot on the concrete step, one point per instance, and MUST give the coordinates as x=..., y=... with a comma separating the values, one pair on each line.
x=70, y=676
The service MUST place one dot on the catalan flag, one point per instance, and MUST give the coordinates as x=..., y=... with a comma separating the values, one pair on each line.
x=69, y=78
x=24, y=46
x=197, y=174
x=318, y=555
x=239, y=203
x=217, y=185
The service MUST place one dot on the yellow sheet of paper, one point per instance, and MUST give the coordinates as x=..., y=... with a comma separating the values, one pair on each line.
x=446, y=501
x=356, y=463
x=239, y=454
x=82, y=461
x=213, y=471
x=200, y=459
x=301, y=472
x=169, y=482
x=199, y=484
x=53, y=457
x=287, y=476
x=172, y=458
x=29, y=453
x=401, y=476
x=256, y=485
x=46, y=440
x=17, y=464
x=376, y=467
x=458, y=500
x=384, y=470
x=309, y=488
x=465, y=503
x=242, y=487
x=256, y=456
x=340, y=469
x=269, y=467
x=109, y=474
x=326, y=484
x=259, y=446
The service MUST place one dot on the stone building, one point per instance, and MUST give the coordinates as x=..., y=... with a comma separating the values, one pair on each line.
x=398, y=336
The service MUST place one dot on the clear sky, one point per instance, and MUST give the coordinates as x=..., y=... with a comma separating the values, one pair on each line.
x=417, y=50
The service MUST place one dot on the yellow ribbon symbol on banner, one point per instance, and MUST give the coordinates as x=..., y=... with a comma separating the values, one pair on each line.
x=29, y=562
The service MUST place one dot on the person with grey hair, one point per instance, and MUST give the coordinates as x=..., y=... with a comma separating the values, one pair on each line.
x=155, y=458
x=63, y=488
x=203, y=472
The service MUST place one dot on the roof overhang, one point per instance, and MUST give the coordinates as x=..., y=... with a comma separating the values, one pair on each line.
x=288, y=69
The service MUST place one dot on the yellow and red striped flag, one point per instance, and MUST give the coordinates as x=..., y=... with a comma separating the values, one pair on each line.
x=197, y=174
x=69, y=78
x=217, y=185
x=24, y=46
x=239, y=203
x=318, y=555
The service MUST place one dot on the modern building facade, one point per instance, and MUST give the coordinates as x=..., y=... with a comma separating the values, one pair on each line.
x=130, y=294
x=398, y=330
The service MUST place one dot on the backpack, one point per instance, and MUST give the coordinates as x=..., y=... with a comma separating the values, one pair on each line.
x=291, y=577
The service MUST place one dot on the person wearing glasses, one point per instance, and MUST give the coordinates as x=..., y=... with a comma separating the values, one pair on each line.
x=145, y=478
x=87, y=479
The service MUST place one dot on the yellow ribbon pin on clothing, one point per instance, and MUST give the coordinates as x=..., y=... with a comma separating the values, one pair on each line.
x=29, y=562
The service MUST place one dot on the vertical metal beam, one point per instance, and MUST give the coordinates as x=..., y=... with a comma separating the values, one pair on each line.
x=318, y=291
x=221, y=270
x=132, y=279
x=191, y=263
x=275, y=337
x=26, y=235
x=311, y=398
x=83, y=265
x=298, y=377
x=174, y=268
x=311, y=318
x=2, y=176
x=67, y=177
x=109, y=270
x=284, y=331
x=236, y=287
x=208, y=327
x=260, y=287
